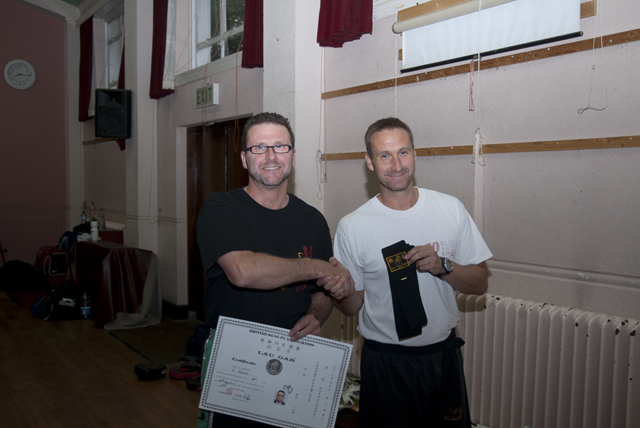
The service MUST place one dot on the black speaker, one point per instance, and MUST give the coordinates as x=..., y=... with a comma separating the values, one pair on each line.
x=113, y=113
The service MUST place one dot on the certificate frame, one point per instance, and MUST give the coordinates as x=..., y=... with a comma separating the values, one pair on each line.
x=251, y=365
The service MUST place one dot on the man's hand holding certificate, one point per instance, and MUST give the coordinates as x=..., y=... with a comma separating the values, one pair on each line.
x=256, y=372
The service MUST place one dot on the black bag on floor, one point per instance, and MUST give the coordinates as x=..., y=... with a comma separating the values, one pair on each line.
x=61, y=303
x=17, y=275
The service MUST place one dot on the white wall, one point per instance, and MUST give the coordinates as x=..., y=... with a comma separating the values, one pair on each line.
x=292, y=85
x=562, y=225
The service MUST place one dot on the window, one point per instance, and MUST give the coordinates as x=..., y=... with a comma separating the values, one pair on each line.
x=113, y=30
x=218, y=30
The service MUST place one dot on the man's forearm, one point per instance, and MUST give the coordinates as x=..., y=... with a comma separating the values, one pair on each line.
x=321, y=306
x=471, y=279
x=312, y=322
x=247, y=269
x=351, y=305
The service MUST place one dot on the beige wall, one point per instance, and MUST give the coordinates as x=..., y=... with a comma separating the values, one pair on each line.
x=562, y=226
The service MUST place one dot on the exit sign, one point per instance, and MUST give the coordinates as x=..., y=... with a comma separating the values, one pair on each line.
x=207, y=96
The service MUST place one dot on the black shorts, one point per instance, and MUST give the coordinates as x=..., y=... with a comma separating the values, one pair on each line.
x=405, y=386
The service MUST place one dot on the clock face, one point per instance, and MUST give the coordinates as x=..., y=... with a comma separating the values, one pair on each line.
x=19, y=74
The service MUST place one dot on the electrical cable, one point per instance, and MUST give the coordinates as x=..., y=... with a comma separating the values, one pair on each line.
x=593, y=66
x=321, y=174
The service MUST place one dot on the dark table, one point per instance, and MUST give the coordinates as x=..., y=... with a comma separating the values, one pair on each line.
x=121, y=282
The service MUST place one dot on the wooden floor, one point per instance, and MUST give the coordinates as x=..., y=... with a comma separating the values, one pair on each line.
x=67, y=374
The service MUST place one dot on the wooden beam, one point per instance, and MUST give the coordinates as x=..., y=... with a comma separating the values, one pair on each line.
x=485, y=64
x=587, y=8
x=536, y=146
x=428, y=7
x=580, y=144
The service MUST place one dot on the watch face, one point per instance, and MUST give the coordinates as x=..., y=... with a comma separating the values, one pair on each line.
x=19, y=74
x=447, y=265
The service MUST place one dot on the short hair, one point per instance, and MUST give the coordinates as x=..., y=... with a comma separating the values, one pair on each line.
x=387, y=123
x=262, y=118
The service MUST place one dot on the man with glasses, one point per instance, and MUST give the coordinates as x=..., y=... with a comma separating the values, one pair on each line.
x=263, y=249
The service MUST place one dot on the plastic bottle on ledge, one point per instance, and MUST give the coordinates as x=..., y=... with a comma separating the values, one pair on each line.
x=85, y=306
x=102, y=220
x=93, y=211
x=83, y=217
x=94, y=230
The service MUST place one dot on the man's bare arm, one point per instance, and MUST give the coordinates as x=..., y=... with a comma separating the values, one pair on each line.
x=350, y=305
x=469, y=279
x=316, y=316
x=247, y=269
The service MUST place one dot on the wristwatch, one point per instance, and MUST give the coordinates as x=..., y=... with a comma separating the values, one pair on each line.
x=447, y=267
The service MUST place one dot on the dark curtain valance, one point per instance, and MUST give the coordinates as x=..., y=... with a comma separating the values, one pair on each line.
x=86, y=70
x=158, y=49
x=252, y=49
x=343, y=21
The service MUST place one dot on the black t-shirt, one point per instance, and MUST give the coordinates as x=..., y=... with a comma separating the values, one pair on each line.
x=233, y=221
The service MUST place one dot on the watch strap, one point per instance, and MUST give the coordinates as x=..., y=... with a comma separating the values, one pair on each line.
x=445, y=271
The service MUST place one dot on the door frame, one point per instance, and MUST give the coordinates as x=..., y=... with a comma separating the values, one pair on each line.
x=196, y=139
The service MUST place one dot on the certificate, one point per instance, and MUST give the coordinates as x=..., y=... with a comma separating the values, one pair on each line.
x=256, y=372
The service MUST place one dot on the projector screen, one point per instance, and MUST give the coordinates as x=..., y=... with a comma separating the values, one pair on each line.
x=514, y=25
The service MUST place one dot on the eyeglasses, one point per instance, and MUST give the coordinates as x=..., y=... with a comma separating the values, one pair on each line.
x=261, y=149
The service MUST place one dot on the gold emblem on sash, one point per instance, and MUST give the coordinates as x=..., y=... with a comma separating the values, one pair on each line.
x=397, y=261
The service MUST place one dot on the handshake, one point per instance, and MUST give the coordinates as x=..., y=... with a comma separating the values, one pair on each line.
x=337, y=280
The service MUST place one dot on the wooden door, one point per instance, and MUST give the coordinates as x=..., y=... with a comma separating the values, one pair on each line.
x=213, y=164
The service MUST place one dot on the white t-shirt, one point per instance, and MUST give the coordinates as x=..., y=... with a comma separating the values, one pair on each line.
x=437, y=219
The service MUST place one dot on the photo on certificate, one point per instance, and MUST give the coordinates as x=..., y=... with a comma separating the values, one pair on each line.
x=256, y=372
x=280, y=395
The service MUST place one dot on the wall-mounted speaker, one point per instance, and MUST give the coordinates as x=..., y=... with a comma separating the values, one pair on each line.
x=113, y=113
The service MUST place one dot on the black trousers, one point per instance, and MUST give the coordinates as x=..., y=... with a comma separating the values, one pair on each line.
x=413, y=387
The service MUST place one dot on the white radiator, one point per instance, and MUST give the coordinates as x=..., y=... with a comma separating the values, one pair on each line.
x=545, y=366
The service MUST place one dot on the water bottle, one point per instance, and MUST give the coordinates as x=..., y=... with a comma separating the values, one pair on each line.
x=85, y=306
x=93, y=211
x=102, y=221
x=83, y=217
x=94, y=230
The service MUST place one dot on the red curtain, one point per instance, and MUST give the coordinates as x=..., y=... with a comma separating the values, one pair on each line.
x=342, y=21
x=86, y=69
x=158, y=49
x=252, y=49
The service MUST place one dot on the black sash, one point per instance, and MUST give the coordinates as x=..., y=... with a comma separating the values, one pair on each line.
x=408, y=311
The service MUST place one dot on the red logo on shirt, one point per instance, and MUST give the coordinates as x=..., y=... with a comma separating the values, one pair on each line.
x=306, y=252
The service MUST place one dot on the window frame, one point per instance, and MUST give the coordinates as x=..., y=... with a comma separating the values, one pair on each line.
x=108, y=41
x=201, y=52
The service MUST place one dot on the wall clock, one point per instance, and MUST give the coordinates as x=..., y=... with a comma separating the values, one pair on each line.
x=19, y=74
